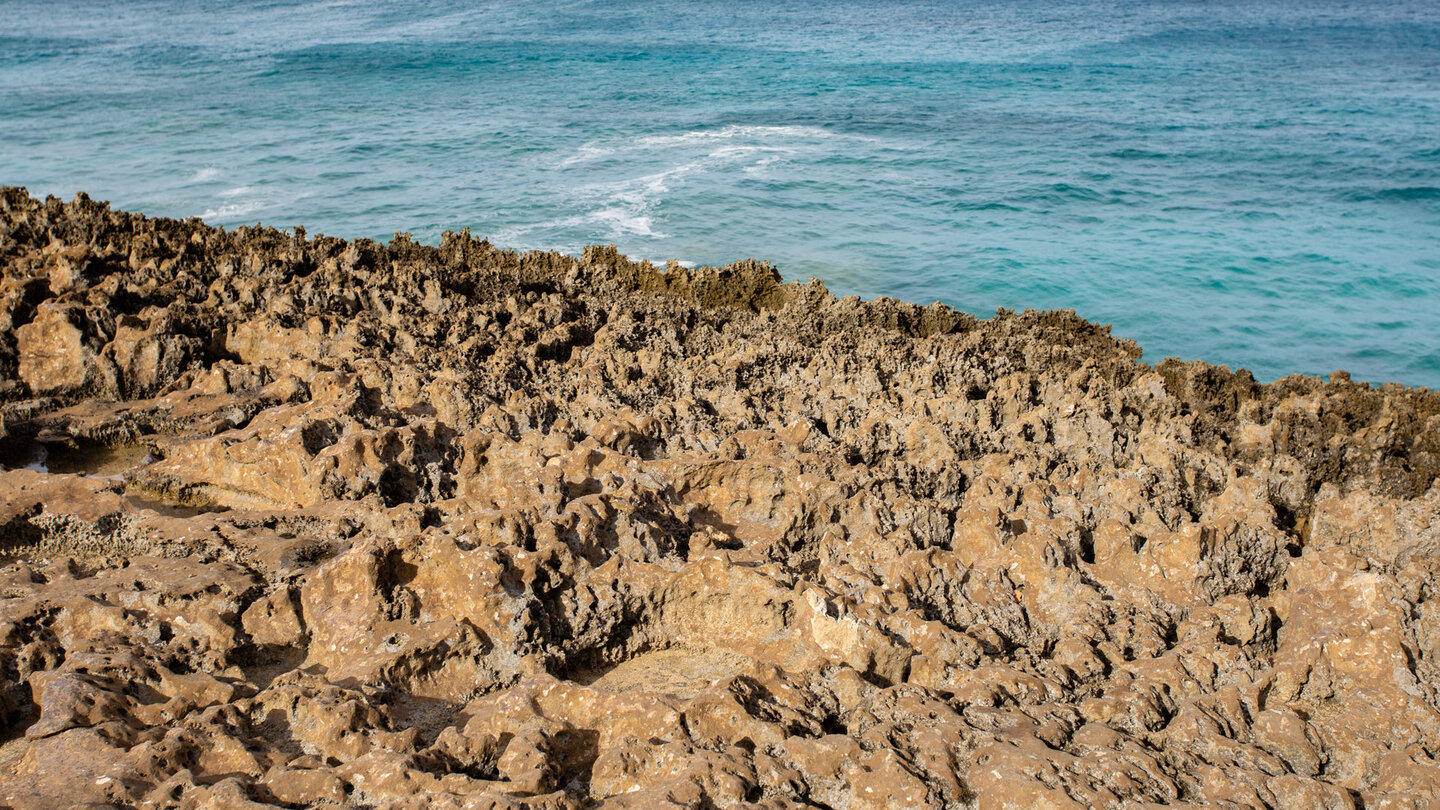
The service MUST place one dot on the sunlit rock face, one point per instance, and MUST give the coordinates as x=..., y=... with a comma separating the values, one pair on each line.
x=300, y=522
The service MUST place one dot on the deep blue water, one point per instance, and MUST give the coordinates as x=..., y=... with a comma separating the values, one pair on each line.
x=1253, y=183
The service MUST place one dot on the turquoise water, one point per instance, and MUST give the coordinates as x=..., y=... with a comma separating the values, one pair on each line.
x=1252, y=183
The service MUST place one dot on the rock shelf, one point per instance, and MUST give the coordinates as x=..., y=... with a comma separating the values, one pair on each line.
x=398, y=526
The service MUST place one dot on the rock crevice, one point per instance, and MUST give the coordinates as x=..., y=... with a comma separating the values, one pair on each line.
x=408, y=526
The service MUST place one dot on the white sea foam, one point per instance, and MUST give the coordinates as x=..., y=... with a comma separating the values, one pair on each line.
x=508, y=237
x=587, y=153
x=760, y=165
x=206, y=175
x=643, y=189
x=624, y=208
x=612, y=222
x=733, y=152
x=666, y=262
x=733, y=131
x=622, y=222
x=750, y=139
x=236, y=192
x=232, y=210
x=637, y=191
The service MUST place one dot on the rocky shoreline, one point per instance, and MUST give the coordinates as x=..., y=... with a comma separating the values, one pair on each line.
x=300, y=522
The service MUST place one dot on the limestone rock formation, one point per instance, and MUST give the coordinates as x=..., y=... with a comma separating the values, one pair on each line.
x=297, y=522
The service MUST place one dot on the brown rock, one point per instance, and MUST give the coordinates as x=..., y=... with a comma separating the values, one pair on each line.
x=350, y=524
x=53, y=353
x=306, y=787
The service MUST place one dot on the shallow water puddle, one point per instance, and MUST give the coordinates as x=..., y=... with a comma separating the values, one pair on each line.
x=166, y=509
x=95, y=461
x=105, y=462
x=62, y=458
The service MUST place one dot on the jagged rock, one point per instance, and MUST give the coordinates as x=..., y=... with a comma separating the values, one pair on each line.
x=309, y=522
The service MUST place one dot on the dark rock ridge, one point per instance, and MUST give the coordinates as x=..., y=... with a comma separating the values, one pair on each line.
x=303, y=522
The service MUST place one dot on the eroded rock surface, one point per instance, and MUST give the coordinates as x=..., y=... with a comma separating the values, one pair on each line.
x=299, y=522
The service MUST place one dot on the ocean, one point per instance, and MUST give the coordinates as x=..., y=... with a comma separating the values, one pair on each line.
x=1252, y=183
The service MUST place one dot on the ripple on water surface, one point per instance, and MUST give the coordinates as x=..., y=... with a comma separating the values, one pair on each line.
x=1254, y=184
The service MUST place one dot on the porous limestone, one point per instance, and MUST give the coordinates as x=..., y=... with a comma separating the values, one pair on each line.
x=456, y=527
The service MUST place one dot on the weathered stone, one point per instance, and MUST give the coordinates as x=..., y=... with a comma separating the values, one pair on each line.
x=349, y=524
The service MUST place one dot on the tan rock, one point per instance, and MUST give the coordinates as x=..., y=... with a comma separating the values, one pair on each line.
x=394, y=526
x=306, y=787
x=54, y=355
